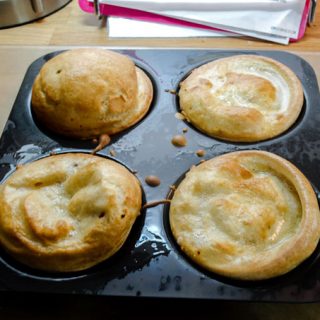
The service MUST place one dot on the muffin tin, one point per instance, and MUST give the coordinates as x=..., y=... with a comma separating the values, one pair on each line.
x=150, y=264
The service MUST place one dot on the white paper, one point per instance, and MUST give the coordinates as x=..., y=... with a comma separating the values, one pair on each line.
x=251, y=17
x=128, y=28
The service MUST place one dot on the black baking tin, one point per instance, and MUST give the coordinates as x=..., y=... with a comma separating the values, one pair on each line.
x=150, y=264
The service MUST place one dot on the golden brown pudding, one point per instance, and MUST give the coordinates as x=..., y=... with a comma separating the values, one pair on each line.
x=83, y=93
x=67, y=212
x=242, y=98
x=248, y=215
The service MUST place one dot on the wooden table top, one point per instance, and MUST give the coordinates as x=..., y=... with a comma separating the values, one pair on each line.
x=72, y=26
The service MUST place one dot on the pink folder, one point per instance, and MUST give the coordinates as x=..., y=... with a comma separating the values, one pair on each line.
x=116, y=11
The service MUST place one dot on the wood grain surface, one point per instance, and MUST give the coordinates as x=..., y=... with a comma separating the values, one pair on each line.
x=70, y=26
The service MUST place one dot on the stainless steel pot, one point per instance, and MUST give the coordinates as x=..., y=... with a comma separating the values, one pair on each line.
x=15, y=12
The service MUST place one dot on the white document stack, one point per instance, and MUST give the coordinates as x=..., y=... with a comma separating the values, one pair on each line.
x=273, y=20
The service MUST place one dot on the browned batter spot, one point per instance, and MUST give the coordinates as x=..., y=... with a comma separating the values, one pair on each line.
x=152, y=181
x=171, y=91
x=112, y=152
x=185, y=116
x=200, y=153
x=179, y=140
x=18, y=166
x=184, y=130
x=38, y=184
x=179, y=116
x=155, y=203
x=104, y=140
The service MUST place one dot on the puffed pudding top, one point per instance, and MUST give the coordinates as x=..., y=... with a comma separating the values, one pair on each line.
x=243, y=98
x=83, y=93
x=67, y=212
x=248, y=215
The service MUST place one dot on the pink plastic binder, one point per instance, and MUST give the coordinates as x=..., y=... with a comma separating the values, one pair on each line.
x=116, y=11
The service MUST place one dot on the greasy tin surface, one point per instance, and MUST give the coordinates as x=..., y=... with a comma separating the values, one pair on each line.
x=150, y=264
